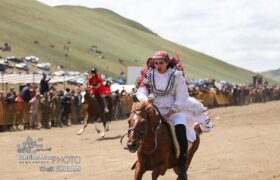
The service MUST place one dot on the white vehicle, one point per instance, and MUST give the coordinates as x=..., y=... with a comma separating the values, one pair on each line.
x=32, y=59
x=59, y=73
x=14, y=59
x=21, y=66
x=45, y=66
x=73, y=73
x=78, y=81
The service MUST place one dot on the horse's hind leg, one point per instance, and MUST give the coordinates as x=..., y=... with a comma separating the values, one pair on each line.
x=159, y=170
x=103, y=133
x=104, y=127
x=107, y=126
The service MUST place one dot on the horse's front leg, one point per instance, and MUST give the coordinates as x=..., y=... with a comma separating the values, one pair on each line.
x=139, y=171
x=96, y=128
x=159, y=170
x=108, y=120
x=84, y=127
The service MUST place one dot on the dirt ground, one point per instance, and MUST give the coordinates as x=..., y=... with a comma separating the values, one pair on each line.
x=244, y=144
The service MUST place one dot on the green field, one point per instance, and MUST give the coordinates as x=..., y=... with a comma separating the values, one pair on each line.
x=272, y=74
x=122, y=42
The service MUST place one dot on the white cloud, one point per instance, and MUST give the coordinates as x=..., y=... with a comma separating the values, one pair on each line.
x=240, y=32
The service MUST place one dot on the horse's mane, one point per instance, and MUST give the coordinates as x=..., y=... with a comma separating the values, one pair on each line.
x=141, y=105
x=144, y=106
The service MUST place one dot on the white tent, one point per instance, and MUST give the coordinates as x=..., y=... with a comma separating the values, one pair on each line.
x=31, y=78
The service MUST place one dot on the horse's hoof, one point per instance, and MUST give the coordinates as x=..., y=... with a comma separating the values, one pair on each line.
x=107, y=127
x=102, y=135
x=80, y=132
x=98, y=131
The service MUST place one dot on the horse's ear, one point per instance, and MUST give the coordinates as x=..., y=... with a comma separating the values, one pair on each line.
x=149, y=108
x=150, y=101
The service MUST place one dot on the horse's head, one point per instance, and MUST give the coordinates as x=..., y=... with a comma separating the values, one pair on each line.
x=85, y=95
x=141, y=119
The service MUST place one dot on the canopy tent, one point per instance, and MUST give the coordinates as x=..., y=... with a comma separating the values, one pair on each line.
x=31, y=78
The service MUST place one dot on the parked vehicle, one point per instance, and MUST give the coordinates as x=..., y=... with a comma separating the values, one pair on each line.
x=59, y=73
x=22, y=66
x=77, y=81
x=14, y=59
x=2, y=67
x=32, y=59
x=45, y=66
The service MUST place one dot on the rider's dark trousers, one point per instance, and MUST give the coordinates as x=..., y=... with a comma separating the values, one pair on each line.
x=180, y=130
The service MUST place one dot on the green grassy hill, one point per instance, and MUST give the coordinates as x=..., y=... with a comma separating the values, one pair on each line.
x=272, y=74
x=119, y=39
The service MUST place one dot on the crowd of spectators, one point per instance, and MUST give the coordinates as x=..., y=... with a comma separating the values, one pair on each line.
x=35, y=107
x=258, y=91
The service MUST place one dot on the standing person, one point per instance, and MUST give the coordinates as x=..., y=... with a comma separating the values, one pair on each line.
x=66, y=107
x=58, y=107
x=26, y=97
x=2, y=106
x=19, y=113
x=45, y=109
x=2, y=96
x=118, y=108
x=169, y=89
x=34, y=90
x=77, y=106
x=95, y=82
x=26, y=93
x=72, y=106
x=10, y=104
x=35, y=111
x=44, y=84
x=52, y=108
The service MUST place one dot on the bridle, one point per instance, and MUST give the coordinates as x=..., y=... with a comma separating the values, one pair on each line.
x=137, y=112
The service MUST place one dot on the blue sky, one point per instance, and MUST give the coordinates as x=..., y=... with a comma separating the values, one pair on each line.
x=244, y=33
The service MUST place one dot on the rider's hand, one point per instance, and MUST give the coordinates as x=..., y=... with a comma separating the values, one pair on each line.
x=165, y=119
x=169, y=114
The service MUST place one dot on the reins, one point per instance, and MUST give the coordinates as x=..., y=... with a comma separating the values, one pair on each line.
x=155, y=134
x=146, y=152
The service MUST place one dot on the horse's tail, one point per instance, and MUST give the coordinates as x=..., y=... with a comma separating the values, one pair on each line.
x=133, y=166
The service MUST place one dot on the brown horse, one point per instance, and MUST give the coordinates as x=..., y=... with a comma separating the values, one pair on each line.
x=151, y=138
x=95, y=111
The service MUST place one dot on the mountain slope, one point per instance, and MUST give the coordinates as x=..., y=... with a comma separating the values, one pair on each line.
x=122, y=42
x=272, y=74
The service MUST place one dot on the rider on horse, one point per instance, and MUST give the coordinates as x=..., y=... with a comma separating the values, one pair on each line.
x=97, y=88
x=170, y=92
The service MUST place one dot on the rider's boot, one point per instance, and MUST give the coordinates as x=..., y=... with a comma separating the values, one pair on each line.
x=180, y=130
